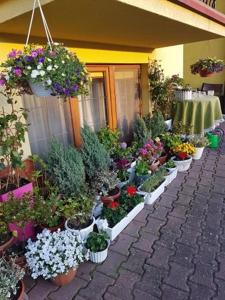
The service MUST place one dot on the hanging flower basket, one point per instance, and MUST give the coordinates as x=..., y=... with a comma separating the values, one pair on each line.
x=206, y=67
x=45, y=71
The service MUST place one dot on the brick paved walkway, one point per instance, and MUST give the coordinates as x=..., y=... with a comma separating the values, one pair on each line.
x=173, y=250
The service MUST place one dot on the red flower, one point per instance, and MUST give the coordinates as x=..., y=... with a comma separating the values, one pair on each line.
x=131, y=190
x=113, y=205
x=182, y=155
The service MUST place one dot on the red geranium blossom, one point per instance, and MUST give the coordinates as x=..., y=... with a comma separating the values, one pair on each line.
x=131, y=190
x=182, y=155
x=113, y=205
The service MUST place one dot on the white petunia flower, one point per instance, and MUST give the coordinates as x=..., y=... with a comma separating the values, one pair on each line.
x=49, y=82
x=39, y=66
x=34, y=74
x=29, y=67
x=49, y=68
x=42, y=72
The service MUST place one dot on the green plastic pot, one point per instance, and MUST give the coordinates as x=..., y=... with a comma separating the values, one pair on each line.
x=214, y=140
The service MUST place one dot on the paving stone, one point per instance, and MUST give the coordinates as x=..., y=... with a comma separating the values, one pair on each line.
x=189, y=237
x=123, y=243
x=192, y=222
x=153, y=226
x=77, y=298
x=221, y=266
x=97, y=287
x=133, y=228
x=221, y=290
x=145, y=242
x=207, y=254
x=178, y=277
x=169, y=292
x=136, y=261
x=85, y=270
x=166, y=200
x=179, y=211
x=67, y=292
x=188, y=190
x=42, y=289
x=160, y=213
x=123, y=286
x=109, y=296
x=184, y=200
x=140, y=295
x=200, y=292
x=173, y=225
x=142, y=216
x=203, y=275
x=111, y=265
x=151, y=281
x=160, y=257
x=168, y=239
x=210, y=236
x=183, y=256
x=30, y=283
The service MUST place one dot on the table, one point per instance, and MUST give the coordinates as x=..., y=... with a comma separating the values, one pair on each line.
x=201, y=113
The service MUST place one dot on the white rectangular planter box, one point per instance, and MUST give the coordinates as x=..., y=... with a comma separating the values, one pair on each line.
x=115, y=231
x=150, y=198
x=169, y=178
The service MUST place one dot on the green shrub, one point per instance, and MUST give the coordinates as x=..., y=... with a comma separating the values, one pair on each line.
x=153, y=182
x=66, y=168
x=110, y=139
x=141, y=132
x=97, y=241
x=155, y=124
x=94, y=154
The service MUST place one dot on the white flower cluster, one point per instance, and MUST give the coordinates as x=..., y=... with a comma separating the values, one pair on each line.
x=54, y=253
x=102, y=224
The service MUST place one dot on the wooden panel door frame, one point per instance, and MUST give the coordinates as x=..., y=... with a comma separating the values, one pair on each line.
x=108, y=71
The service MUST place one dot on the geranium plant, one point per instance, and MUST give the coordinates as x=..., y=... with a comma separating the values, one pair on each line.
x=55, y=67
x=207, y=65
x=182, y=151
x=54, y=253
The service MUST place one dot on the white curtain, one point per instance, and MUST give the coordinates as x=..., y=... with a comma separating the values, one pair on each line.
x=48, y=117
x=93, y=107
x=127, y=99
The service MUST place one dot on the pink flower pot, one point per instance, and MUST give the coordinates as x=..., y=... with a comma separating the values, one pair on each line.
x=23, y=233
x=18, y=193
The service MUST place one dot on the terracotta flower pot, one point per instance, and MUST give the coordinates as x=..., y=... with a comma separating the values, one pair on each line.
x=6, y=245
x=53, y=228
x=154, y=166
x=21, y=292
x=205, y=73
x=162, y=159
x=108, y=199
x=63, y=279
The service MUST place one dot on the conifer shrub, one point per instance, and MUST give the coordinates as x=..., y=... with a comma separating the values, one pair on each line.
x=141, y=132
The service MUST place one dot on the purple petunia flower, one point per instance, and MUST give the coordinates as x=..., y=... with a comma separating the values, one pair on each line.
x=17, y=71
x=39, y=50
x=28, y=58
x=34, y=54
x=12, y=54
x=74, y=88
x=2, y=80
x=41, y=59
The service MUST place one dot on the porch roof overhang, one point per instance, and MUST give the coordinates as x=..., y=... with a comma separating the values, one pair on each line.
x=109, y=24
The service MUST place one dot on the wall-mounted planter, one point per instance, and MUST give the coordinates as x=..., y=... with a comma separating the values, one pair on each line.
x=115, y=231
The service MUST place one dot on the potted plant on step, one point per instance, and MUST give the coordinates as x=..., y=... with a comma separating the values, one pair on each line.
x=60, y=261
x=78, y=212
x=98, y=243
x=11, y=284
x=48, y=70
x=183, y=158
x=200, y=142
x=13, y=128
x=207, y=66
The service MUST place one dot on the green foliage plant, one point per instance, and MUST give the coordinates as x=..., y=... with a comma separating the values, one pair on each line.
x=199, y=141
x=141, y=132
x=170, y=164
x=182, y=129
x=97, y=241
x=142, y=168
x=153, y=182
x=155, y=124
x=13, y=128
x=65, y=168
x=95, y=156
x=110, y=139
x=171, y=140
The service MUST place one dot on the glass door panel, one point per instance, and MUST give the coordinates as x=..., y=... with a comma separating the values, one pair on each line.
x=93, y=108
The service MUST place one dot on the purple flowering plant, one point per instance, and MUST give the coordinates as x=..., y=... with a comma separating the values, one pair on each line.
x=151, y=150
x=209, y=64
x=57, y=69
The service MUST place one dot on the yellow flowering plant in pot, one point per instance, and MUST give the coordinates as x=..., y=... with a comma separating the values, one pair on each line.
x=183, y=158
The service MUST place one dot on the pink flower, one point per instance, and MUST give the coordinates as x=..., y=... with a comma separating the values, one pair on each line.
x=143, y=152
x=39, y=50
x=12, y=54
x=34, y=54
x=52, y=53
x=2, y=81
x=17, y=71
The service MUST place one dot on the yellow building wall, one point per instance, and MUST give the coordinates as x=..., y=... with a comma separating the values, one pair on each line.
x=211, y=48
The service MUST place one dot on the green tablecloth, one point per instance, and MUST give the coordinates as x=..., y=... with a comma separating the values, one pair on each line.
x=201, y=113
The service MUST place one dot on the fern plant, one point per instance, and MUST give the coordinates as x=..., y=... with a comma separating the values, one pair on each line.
x=66, y=168
x=95, y=156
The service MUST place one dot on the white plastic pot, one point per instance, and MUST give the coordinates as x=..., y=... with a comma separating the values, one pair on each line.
x=182, y=165
x=171, y=176
x=82, y=232
x=168, y=124
x=39, y=90
x=198, y=153
x=150, y=198
x=98, y=257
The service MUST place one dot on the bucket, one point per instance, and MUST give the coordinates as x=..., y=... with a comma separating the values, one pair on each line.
x=214, y=140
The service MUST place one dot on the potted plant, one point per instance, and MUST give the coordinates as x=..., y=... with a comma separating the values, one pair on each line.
x=18, y=214
x=48, y=208
x=12, y=134
x=183, y=156
x=200, y=142
x=98, y=243
x=142, y=171
x=6, y=237
x=58, y=262
x=17, y=252
x=121, y=212
x=78, y=212
x=184, y=93
x=153, y=187
x=11, y=284
x=47, y=70
x=170, y=165
x=207, y=66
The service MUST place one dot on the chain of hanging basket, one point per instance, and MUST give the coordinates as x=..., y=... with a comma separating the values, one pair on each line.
x=46, y=28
